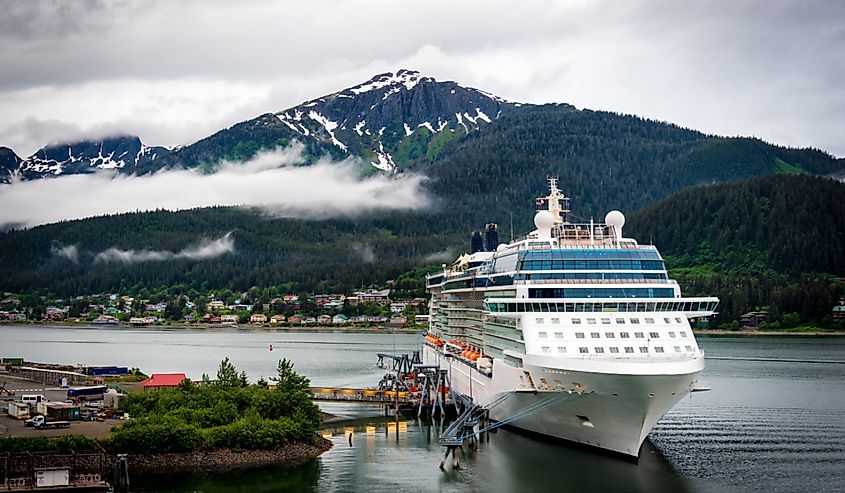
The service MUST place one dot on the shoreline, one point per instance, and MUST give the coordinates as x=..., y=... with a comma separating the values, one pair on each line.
x=379, y=329
x=765, y=333
x=292, y=454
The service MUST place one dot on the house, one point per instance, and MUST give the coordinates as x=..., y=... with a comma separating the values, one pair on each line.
x=228, y=319
x=397, y=321
x=216, y=305
x=290, y=298
x=155, y=307
x=752, y=320
x=295, y=320
x=163, y=380
x=340, y=319
x=308, y=321
x=398, y=307
x=277, y=319
x=243, y=307
x=324, y=319
x=422, y=319
x=370, y=295
x=838, y=311
x=333, y=305
x=258, y=318
x=211, y=319
x=54, y=313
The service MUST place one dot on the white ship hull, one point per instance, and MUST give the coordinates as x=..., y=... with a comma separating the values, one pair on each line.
x=608, y=410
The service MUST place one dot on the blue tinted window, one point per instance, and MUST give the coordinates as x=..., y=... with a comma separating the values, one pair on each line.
x=601, y=292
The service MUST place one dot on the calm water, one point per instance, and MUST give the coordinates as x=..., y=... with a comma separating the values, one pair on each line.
x=773, y=422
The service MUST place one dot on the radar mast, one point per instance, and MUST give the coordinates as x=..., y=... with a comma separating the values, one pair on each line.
x=556, y=202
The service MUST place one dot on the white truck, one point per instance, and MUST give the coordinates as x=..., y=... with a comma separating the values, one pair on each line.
x=41, y=423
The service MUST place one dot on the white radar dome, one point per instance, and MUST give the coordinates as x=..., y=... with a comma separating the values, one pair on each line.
x=617, y=220
x=545, y=221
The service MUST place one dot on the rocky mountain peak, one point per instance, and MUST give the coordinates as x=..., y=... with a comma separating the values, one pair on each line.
x=9, y=164
x=395, y=116
x=123, y=153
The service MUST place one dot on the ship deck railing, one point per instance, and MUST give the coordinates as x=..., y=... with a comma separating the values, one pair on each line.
x=595, y=281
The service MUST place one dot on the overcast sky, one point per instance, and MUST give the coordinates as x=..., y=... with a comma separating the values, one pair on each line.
x=176, y=71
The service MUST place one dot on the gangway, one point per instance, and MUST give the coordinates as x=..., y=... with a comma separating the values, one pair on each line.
x=461, y=429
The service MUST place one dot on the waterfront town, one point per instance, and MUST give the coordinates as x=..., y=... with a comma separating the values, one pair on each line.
x=369, y=307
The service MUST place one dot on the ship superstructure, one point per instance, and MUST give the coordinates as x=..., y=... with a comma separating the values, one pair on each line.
x=573, y=331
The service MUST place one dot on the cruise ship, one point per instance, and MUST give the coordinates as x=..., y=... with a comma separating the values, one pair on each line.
x=573, y=332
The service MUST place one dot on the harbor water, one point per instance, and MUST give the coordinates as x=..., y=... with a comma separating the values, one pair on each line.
x=773, y=420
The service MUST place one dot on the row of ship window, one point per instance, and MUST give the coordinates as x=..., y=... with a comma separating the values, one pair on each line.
x=592, y=253
x=592, y=265
x=607, y=321
x=612, y=335
x=591, y=307
x=591, y=275
x=601, y=293
x=615, y=350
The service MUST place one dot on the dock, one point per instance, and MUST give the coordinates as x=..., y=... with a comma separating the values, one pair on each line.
x=343, y=394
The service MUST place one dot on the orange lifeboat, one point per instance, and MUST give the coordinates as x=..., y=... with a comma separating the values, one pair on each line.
x=474, y=356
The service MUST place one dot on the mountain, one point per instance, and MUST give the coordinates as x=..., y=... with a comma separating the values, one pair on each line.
x=405, y=120
x=9, y=164
x=394, y=118
x=604, y=161
x=389, y=121
x=140, y=250
x=122, y=153
x=786, y=223
x=775, y=242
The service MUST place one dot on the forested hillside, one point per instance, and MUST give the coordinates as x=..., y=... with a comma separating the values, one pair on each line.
x=776, y=241
x=604, y=161
x=325, y=256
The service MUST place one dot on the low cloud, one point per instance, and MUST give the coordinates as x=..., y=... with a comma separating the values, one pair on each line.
x=269, y=181
x=446, y=255
x=204, y=250
x=70, y=252
x=366, y=252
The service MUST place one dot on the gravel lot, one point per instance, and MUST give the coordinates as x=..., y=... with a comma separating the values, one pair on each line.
x=14, y=427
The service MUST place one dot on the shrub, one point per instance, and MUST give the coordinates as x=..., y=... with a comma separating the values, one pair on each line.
x=151, y=435
x=44, y=444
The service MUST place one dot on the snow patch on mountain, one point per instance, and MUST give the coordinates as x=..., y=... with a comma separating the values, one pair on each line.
x=385, y=160
x=328, y=125
x=406, y=78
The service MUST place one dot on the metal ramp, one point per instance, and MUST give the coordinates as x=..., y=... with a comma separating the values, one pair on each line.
x=462, y=429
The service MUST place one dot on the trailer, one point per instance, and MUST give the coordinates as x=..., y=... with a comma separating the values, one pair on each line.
x=18, y=410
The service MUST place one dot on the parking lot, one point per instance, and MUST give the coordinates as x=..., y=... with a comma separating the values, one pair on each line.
x=13, y=427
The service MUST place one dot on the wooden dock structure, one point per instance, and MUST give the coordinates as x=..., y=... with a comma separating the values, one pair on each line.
x=344, y=394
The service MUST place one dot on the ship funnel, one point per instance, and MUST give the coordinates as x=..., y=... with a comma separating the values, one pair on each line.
x=617, y=220
x=545, y=221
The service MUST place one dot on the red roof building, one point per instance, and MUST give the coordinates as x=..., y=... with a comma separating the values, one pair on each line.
x=161, y=380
